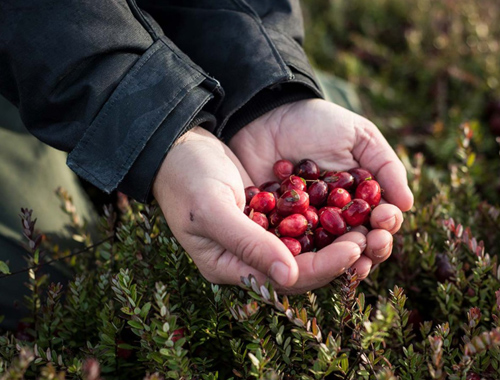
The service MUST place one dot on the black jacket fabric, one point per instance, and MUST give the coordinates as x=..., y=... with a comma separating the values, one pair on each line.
x=115, y=82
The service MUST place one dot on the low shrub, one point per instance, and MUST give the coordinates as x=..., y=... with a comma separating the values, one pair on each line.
x=137, y=305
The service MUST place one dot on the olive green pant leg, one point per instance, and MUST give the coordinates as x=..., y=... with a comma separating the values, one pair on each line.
x=30, y=171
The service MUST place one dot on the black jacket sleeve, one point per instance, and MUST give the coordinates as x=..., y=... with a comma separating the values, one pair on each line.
x=100, y=80
x=253, y=47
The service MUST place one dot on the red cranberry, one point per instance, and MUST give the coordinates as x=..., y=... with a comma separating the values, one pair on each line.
x=292, y=202
x=360, y=175
x=123, y=353
x=307, y=169
x=323, y=209
x=312, y=217
x=178, y=334
x=293, y=183
x=270, y=186
x=293, y=225
x=322, y=238
x=292, y=244
x=318, y=192
x=283, y=169
x=332, y=221
x=356, y=212
x=306, y=242
x=338, y=198
x=369, y=191
x=338, y=179
x=247, y=210
x=250, y=191
x=276, y=195
x=263, y=202
x=275, y=218
x=260, y=219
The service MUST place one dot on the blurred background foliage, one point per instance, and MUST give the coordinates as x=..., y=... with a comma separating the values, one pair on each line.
x=420, y=68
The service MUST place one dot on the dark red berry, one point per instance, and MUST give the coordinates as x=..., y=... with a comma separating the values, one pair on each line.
x=270, y=186
x=306, y=242
x=250, y=191
x=312, y=217
x=322, y=209
x=276, y=195
x=332, y=221
x=369, y=191
x=293, y=183
x=322, y=238
x=338, y=179
x=293, y=225
x=123, y=353
x=283, y=169
x=318, y=192
x=247, y=210
x=275, y=218
x=360, y=175
x=307, y=169
x=325, y=173
x=263, y=202
x=356, y=212
x=178, y=334
x=292, y=202
x=338, y=198
x=259, y=218
x=292, y=244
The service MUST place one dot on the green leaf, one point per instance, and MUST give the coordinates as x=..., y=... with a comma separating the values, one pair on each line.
x=4, y=268
x=136, y=325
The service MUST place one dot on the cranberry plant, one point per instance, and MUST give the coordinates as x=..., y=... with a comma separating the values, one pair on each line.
x=138, y=308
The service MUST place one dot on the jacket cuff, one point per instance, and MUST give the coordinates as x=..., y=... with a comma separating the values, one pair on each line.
x=299, y=88
x=164, y=89
x=138, y=182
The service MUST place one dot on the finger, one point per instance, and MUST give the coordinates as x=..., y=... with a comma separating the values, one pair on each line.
x=378, y=245
x=363, y=266
x=373, y=152
x=247, y=181
x=387, y=217
x=230, y=269
x=319, y=268
x=360, y=229
x=249, y=242
x=355, y=237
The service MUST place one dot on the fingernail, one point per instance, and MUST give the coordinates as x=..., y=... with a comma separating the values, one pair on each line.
x=388, y=224
x=279, y=272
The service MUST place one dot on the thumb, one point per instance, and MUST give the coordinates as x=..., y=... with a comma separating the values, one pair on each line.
x=253, y=245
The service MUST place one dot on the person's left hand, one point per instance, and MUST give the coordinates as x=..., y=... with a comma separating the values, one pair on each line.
x=336, y=139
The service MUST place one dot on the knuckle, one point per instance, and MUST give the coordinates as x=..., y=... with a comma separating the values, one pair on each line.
x=248, y=250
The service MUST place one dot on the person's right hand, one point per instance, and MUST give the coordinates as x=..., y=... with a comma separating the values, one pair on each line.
x=200, y=189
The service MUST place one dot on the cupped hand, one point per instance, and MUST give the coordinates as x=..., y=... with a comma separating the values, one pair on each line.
x=200, y=189
x=336, y=139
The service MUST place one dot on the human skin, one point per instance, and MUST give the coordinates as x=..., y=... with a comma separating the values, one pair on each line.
x=336, y=139
x=200, y=189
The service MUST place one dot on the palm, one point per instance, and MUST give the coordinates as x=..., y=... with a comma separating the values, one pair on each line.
x=335, y=138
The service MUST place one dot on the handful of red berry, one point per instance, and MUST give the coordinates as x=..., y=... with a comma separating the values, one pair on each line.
x=307, y=208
